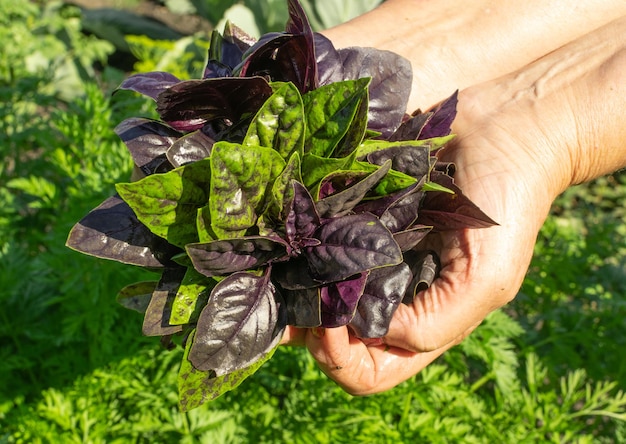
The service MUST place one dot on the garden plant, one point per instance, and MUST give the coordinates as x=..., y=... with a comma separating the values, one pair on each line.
x=75, y=368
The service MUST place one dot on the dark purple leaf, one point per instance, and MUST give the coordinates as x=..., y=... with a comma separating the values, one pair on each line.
x=215, y=69
x=188, y=105
x=389, y=89
x=383, y=294
x=156, y=319
x=221, y=257
x=411, y=129
x=112, y=231
x=343, y=202
x=150, y=84
x=294, y=274
x=282, y=58
x=397, y=211
x=303, y=307
x=298, y=24
x=408, y=239
x=225, y=53
x=238, y=37
x=148, y=141
x=192, y=147
x=339, y=300
x=241, y=322
x=441, y=121
x=302, y=218
x=406, y=158
x=137, y=296
x=351, y=245
x=425, y=268
x=446, y=211
x=329, y=64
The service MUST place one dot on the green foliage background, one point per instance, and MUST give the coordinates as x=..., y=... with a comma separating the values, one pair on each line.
x=75, y=368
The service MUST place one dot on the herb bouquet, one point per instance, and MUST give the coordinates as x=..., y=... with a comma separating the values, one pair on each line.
x=285, y=187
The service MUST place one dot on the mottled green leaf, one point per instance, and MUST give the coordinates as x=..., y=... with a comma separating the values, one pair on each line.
x=279, y=124
x=315, y=168
x=330, y=113
x=191, y=297
x=167, y=203
x=241, y=176
x=282, y=190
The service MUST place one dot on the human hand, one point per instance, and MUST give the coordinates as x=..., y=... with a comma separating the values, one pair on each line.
x=521, y=140
x=482, y=269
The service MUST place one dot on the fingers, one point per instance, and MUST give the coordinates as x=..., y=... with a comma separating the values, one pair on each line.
x=293, y=336
x=361, y=369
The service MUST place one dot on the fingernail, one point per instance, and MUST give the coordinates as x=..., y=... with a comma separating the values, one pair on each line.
x=318, y=332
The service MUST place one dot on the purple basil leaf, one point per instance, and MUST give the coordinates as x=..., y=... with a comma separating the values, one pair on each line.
x=344, y=201
x=302, y=218
x=238, y=37
x=282, y=58
x=445, y=211
x=389, y=88
x=168, y=203
x=411, y=129
x=351, y=245
x=221, y=257
x=425, y=267
x=383, y=294
x=329, y=64
x=378, y=206
x=137, y=296
x=441, y=121
x=406, y=158
x=447, y=168
x=150, y=84
x=409, y=239
x=402, y=213
x=112, y=231
x=157, y=316
x=190, y=148
x=303, y=307
x=298, y=24
x=219, y=65
x=215, y=69
x=340, y=299
x=294, y=274
x=147, y=141
x=188, y=105
x=241, y=322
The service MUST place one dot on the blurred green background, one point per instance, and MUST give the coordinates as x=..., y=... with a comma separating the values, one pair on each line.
x=74, y=367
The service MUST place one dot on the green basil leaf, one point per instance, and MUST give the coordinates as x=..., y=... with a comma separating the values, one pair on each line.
x=279, y=124
x=282, y=191
x=191, y=297
x=315, y=168
x=392, y=182
x=241, y=176
x=330, y=112
x=167, y=203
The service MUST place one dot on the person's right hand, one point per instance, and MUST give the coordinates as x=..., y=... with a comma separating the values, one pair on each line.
x=508, y=168
x=521, y=140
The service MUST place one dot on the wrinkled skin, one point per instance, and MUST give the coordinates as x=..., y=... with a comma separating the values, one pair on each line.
x=521, y=141
x=482, y=269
